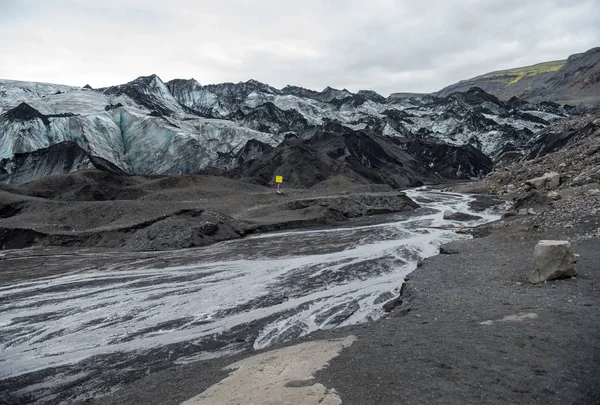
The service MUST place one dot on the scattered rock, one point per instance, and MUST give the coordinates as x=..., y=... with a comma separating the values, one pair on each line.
x=533, y=199
x=483, y=202
x=477, y=232
x=392, y=304
x=459, y=216
x=553, y=195
x=548, y=181
x=582, y=179
x=593, y=191
x=572, y=210
x=553, y=260
x=447, y=251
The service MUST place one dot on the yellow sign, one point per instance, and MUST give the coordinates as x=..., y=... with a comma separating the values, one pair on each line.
x=278, y=179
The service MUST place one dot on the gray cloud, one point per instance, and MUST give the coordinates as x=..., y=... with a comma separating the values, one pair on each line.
x=384, y=45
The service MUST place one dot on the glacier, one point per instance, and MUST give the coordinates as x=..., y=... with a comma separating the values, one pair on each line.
x=147, y=126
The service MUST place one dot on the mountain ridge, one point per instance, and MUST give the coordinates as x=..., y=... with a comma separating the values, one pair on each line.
x=147, y=126
x=573, y=80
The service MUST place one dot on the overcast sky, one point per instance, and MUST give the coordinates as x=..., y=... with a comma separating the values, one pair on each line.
x=383, y=45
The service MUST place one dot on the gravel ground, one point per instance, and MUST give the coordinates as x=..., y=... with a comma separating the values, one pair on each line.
x=470, y=329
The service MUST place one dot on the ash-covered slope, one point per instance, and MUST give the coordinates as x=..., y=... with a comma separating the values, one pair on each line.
x=448, y=161
x=508, y=83
x=572, y=151
x=564, y=134
x=148, y=127
x=58, y=159
x=364, y=158
x=575, y=81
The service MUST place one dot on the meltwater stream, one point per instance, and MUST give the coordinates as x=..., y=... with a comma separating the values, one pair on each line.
x=285, y=284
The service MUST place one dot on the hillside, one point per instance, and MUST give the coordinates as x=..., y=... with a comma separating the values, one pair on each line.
x=508, y=83
x=575, y=80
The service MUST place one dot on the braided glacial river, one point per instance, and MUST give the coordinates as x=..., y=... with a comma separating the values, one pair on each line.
x=206, y=302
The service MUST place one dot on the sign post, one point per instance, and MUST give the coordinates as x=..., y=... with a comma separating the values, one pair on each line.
x=278, y=180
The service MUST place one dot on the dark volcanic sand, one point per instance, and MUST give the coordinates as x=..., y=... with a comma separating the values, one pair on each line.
x=433, y=348
x=92, y=209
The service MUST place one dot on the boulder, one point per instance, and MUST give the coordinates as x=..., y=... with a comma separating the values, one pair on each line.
x=548, y=181
x=459, y=216
x=553, y=259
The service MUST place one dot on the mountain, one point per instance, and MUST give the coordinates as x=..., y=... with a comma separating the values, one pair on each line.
x=147, y=126
x=575, y=80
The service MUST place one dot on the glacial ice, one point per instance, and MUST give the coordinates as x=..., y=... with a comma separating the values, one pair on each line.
x=136, y=139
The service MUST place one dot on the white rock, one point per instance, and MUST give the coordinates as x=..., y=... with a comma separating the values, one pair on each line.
x=531, y=211
x=548, y=181
x=593, y=191
x=523, y=211
x=562, y=165
x=553, y=259
x=510, y=187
